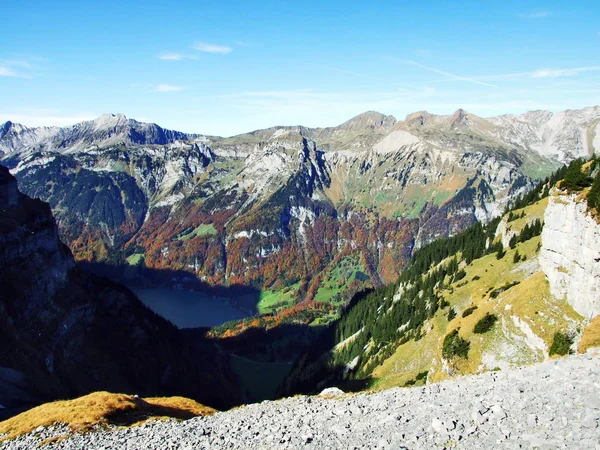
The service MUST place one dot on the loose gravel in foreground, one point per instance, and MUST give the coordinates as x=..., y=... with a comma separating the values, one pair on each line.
x=555, y=404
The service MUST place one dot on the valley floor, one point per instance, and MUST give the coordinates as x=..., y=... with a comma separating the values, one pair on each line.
x=555, y=404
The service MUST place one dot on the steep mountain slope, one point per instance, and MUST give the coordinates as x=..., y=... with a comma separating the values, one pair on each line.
x=491, y=297
x=65, y=332
x=282, y=207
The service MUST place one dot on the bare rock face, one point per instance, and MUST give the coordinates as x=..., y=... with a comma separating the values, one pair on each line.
x=9, y=193
x=29, y=244
x=570, y=254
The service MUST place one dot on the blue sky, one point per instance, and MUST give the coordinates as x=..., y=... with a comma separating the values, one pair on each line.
x=234, y=66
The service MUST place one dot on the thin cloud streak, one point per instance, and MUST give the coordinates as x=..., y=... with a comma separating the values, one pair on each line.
x=6, y=72
x=535, y=15
x=167, y=88
x=539, y=73
x=212, y=48
x=21, y=68
x=175, y=57
x=554, y=73
x=446, y=74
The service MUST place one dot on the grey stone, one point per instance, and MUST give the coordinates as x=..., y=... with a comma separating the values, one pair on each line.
x=469, y=413
x=331, y=392
x=438, y=426
x=590, y=421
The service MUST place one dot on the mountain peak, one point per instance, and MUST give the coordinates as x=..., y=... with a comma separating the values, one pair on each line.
x=369, y=119
x=5, y=127
x=110, y=120
x=418, y=118
x=461, y=119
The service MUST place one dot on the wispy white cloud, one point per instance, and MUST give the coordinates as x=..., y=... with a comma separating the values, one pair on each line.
x=451, y=76
x=242, y=44
x=539, y=73
x=175, y=56
x=167, y=88
x=535, y=15
x=555, y=73
x=212, y=48
x=6, y=72
x=21, y=68
x=162, y=87
x=19, y=63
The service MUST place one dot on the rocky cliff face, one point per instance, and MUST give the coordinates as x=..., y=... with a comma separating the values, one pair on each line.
x=69, y=332
x=34, y=261
x=570, y=254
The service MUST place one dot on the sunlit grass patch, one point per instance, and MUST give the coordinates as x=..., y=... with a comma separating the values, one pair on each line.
x=102, y=409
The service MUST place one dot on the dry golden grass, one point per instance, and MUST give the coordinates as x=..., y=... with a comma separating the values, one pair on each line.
x=532, y=212
x=102, y=408
x=591, y=336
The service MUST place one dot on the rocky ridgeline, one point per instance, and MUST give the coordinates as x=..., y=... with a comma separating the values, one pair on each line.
x=555, y=404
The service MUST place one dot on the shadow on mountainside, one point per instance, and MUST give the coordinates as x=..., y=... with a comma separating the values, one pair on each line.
x=245, y=298
x=147, y=277
x=268, y=363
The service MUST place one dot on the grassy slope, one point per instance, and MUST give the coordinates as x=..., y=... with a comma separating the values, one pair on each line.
x=532, y=212
x=271, y=301
x=338, y=279
x=135, y=259
x=201, y=230
x=528, y=317
x=102, y=408
x=591, y=336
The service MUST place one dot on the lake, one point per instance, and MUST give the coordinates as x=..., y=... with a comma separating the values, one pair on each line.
x=188, y=309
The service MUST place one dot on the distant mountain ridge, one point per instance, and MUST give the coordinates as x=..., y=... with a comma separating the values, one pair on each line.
x=106, y=130
x=280, y=208
x=545, y=132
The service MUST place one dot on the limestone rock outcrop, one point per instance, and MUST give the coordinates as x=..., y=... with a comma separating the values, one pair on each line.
x=570, y=253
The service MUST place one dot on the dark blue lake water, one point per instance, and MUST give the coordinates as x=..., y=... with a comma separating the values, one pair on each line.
x=190, y=309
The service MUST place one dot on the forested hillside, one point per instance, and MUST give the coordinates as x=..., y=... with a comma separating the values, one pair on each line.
x=455, y=297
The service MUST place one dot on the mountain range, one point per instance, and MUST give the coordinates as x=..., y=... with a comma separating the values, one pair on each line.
x=320, y=222
x=281, y=209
